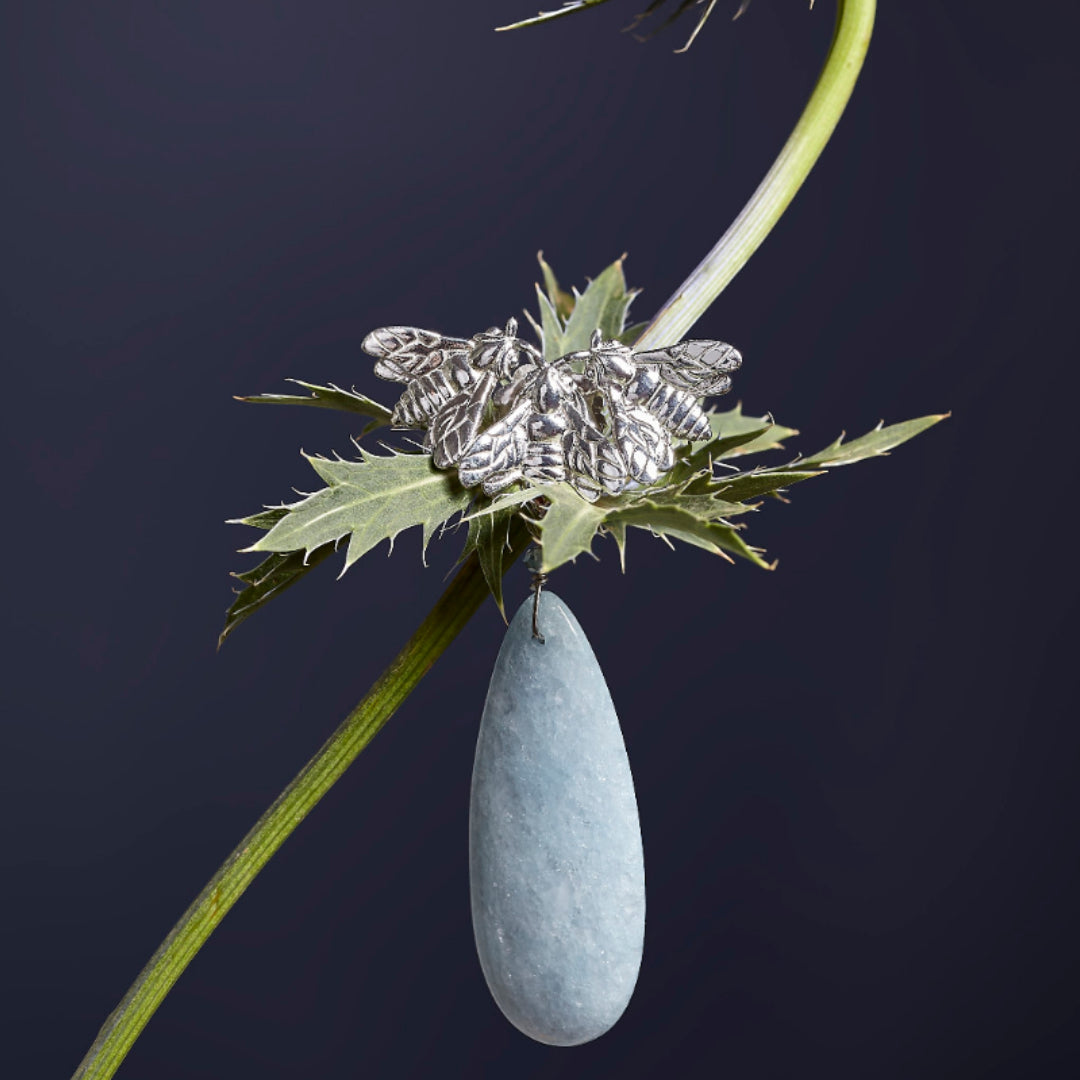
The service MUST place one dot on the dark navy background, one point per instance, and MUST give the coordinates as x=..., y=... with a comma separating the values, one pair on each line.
x=856, y=775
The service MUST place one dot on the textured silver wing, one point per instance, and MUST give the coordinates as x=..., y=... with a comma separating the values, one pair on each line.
x=496, y=456
x=644, y=444
x=433, y=391
x=702, y=367
x=455, y=426
x=405, y=352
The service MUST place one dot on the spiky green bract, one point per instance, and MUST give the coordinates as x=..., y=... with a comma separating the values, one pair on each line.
x=561, y=301
x=489, y=536
x=375, y=498
x=701, y=495
x=568, y=8
x=733, y=435
x=571, y=7
x=328, y=397
x=368, y=501
x=569, y=524
x=876, y=443
x=272, y=576
x=567, y=321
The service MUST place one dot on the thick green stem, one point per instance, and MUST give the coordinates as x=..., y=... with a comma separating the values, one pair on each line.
x=468, y=589
x=444, y=622
x=851, y=37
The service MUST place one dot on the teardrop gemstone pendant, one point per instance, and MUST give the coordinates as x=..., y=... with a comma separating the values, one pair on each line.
x=555, y=861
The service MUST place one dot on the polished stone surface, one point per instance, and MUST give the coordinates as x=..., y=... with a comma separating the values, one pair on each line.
x=557, y=877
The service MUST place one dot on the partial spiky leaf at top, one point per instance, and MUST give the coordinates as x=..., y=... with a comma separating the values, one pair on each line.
x=602, y=306
x=562, y=302
x=568, y=8
x=568, y=320
x=328, y=397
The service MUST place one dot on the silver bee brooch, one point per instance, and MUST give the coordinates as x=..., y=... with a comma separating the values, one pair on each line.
x=601, y=419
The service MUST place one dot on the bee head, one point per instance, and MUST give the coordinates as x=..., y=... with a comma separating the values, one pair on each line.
x=610, y=361
x=500, y=349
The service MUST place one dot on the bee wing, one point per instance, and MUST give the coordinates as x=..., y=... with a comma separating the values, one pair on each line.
x=455, y=426
x=495, y=456
x=702, y=367
x=590, y=454
x=644, y=444
x=406, y=352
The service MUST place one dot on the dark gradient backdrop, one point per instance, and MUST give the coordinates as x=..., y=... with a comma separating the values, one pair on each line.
x=856, y=775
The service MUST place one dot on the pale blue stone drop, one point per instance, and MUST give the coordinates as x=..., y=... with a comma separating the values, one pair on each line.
x=556, y=869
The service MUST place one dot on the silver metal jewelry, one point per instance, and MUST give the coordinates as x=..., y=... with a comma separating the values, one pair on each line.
x=601, y=419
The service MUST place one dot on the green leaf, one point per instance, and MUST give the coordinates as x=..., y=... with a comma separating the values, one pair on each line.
x=369, y=501
x=749, y=485
x=270, y=578
x=568, y=325
x=568, y=8
x=567, y=527
x=700, y=461
x=617, y=531
x=875, y=443
x=551, y=328
x=730, y=424
x=671, y=522
x=682, y=7
x=571, y=7
x=602, y=306
x=264, y=519
x=328, y=397
x=702, y=505
x=489, y=537
x=503, y=500
x=733, y=436
x=561, y=301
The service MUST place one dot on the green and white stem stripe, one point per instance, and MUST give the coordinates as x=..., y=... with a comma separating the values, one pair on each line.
x=851, y=38
x=468, y=589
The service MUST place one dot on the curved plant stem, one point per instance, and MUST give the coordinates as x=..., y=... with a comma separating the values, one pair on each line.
x=851, y=37
x=446, y=619
x=468, y=589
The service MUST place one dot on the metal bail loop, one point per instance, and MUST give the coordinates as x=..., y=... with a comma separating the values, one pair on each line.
x=533, y=561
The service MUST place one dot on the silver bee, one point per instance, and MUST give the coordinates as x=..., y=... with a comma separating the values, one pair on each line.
x=601, y=419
